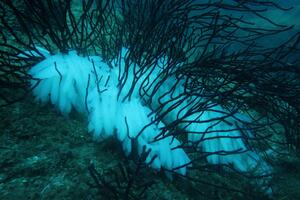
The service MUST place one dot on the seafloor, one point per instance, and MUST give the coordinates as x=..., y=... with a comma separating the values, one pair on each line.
x=46, y=156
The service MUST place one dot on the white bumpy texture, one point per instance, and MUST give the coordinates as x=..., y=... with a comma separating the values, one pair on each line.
x=89, y=85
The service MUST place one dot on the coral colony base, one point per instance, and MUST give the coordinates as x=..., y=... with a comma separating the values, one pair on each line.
x=92, y=86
